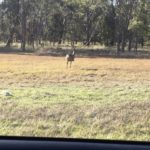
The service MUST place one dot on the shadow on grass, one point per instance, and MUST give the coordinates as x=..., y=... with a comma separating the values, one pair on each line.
x=95, y=53
x=11, y=50
x=82, y=53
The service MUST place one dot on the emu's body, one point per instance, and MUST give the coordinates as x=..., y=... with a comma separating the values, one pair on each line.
x=70, y=58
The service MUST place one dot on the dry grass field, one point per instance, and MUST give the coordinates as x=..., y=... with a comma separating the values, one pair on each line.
x=100, y=98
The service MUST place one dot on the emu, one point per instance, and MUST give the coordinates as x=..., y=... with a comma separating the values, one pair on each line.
x=70, y=58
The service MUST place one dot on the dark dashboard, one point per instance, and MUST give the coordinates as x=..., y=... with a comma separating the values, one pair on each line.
x=25, y=143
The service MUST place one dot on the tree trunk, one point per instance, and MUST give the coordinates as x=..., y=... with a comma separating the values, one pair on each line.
x=130, y=42
x=118, y=47
x=118, y=43
x=123, y=42
x=10, y=39
x=130, y=45
x=62, y=31
x=136, y=45
x=33, y=47
x=142, y=42
x=123, y=46
x=60, y=41
x=88, y=29
x=23, y=26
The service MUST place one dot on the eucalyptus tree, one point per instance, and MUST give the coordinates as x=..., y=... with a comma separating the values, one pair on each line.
x=9, y=20
x=109, y=22
x=131, y=22
x=139, y=25
x=92, y=13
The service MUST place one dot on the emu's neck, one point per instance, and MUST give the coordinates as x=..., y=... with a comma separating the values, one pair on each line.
x=73, y=53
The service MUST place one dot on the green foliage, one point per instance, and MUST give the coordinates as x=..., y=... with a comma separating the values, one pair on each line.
x=104, y=21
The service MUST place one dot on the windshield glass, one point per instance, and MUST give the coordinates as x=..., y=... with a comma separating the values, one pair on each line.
x=75, y=69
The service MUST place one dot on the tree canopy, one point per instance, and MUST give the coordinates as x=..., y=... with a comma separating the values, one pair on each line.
x=124, y=23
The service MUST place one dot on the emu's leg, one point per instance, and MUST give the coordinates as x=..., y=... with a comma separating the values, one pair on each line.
x=67, y=64
x=70, y=64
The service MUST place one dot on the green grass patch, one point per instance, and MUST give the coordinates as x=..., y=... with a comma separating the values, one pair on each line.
x=77, y=111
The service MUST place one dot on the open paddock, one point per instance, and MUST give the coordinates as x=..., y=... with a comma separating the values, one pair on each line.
x=101, y=98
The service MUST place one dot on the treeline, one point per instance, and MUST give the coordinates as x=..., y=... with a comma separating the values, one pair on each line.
x=121, y=23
